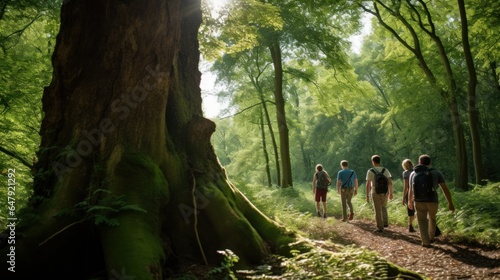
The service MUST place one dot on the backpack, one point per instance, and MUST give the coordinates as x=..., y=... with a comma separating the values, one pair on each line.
x=423, y=185
x=322, y=180
x=381, y=181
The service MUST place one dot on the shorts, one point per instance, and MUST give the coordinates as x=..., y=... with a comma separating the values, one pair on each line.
x=320, y=195
x=411, y=213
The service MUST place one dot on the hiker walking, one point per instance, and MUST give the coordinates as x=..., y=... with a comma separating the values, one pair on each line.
x=379, y=186
x=321, y=181
x=408, y=168
x=423, y=197
x=347, y=187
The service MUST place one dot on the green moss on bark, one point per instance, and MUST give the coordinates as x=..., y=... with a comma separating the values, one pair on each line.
x=133, y=247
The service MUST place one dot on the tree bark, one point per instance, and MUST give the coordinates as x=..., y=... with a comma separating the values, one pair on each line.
x=127, y=180
x=264, y=146
x=286, y=178
x=257, y=84
x=477, y=154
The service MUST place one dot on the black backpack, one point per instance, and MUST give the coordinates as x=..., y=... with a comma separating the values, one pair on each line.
x=322, y=180
x=423, y=185
x=381, y=181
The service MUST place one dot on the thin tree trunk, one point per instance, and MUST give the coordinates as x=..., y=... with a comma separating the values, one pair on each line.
x=264, y=147
x=271, y=132
x=257, y=84
x=273, y=140
x=471, y=98
x=286, y=178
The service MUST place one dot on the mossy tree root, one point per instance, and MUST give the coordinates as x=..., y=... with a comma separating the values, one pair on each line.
x=134, y=246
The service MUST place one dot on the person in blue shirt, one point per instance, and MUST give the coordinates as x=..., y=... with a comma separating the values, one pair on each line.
x=347, y=187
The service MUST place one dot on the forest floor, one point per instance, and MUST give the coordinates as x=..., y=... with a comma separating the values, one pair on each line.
x=443, y=260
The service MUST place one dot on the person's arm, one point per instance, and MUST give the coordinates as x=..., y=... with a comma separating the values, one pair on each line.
x=410, y=193
x=391, y=194
x=368, y=185
x=339, y=184
x=356, y=186
x=447, y=194
x=314, y=183
x=368, y=189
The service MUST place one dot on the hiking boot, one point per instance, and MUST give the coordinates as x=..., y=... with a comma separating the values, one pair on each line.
x=411, y=229
x=386, y=225
x=324, y=215
x=319, y=214
x=351, y=216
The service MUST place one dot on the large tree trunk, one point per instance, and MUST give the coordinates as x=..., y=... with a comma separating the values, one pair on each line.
x=127, y=180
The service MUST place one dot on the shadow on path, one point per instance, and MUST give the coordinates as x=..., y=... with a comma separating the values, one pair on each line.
x=474, y=255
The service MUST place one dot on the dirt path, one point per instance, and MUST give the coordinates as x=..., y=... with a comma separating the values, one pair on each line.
x=444, y=260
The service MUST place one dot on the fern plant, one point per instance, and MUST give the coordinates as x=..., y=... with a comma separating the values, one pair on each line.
x=100, y=213
x=225, y=271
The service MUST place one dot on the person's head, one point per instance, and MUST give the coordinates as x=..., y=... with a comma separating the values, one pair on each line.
x=344, y=163
x=407, y=164
x=424, y=160
x=319, y=167
x=376, y=159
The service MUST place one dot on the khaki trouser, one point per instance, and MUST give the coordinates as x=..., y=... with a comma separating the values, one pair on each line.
x=380, y=207
x=426, y=216
x=346, y=198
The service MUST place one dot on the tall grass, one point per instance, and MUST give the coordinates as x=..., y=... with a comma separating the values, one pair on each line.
x=477, y=216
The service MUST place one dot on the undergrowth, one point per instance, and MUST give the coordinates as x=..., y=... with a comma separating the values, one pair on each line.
x=476, y=218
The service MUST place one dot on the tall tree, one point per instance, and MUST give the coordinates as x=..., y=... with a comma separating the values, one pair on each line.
x=127, y=177
x=309, y=30
x=413, y=18
x=483, y=19
x=249, y=72
x=471, y=97
x=279, y=102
